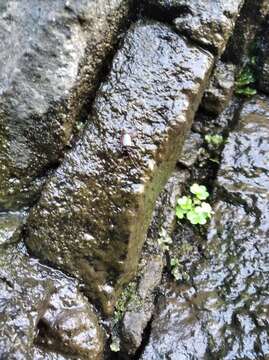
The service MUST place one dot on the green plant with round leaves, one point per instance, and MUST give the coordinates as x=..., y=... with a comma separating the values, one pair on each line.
x=194, y=208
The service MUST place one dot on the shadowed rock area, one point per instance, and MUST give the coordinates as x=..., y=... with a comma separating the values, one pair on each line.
x=94, y=212
x=50, y=59
x=40, y=306
x=264, y=59
x=220, y=90
x=210, y=23
x=221, y=310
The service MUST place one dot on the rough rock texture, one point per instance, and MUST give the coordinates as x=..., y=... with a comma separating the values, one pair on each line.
x=50, y=57
x=191, y=149
x=220, y=90
x=209, y=22
x=94, y=212
x=220, y=311
x=41, y=306
x=139, y=309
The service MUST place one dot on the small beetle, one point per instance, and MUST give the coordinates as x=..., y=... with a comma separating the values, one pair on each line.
x=127, y=145
x=126, y=141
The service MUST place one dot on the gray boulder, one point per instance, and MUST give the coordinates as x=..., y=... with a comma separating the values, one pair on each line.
x=94, y=212
x=51, y=56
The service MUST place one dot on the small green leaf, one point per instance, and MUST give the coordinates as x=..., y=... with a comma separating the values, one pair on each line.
x=195, y=209
x=245, y=79
x=174, y=262
x=216, y=161
x=199, y=191
x=193, y=217
x=215, y=140
x=180, y=212
x=206, y=208
x=247, y=91
x=185, y=203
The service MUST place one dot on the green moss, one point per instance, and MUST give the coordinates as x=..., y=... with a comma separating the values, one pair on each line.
x=129, y=295
x=245, y=82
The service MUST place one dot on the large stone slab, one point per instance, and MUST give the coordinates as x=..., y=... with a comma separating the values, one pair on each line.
x=41, y=306
x=50, y=60
x=221, y=311
x=94, y=213
x=209, y=22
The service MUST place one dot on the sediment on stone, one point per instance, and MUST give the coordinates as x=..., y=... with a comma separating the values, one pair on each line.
x=50, y=63
x=94, y=212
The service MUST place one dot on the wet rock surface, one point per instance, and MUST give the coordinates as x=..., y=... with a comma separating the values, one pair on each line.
x=49, y=66
x=208, y=22
x=40, y=306
x=94, y=212
x=220, y=309
x=220, y=90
